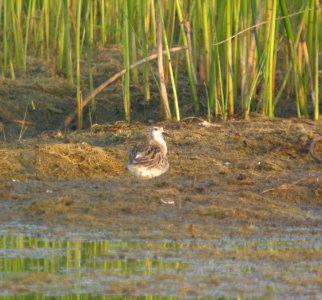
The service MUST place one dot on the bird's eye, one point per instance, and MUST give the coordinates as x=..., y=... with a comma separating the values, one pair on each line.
x=155, y=129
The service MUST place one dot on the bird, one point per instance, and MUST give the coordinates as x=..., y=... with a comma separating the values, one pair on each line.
x=149, y=158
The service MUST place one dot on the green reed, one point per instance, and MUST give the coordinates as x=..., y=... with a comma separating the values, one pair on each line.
x=78, y=62
x=126, y=55
x=316, y=11
x=67, y=43
x=269, y=73
x=30, y=13
x=299, y=88
x=165, y=39
x=188, y=57
x=88, y=46
x=250, y=55
x=143, y=9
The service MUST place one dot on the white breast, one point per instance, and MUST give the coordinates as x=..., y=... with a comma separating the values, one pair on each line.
x=162, y=142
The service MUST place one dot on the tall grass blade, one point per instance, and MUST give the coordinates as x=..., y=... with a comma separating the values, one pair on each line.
x=299, y=88
x=206, y=40
x=163, y=89
x=189, y=67
x=103, y=25
x=30, y=13
x=144, y=35
x=88, y=46
x=317, y=24
x=229, y=62
x=270, y=64
x=78, y=62
x=126, y=55
x=67, y=44
x=165, y=39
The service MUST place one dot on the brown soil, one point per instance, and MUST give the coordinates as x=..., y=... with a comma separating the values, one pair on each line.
x=241, y=175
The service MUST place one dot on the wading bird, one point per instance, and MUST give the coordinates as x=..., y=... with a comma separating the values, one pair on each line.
x=149, y=159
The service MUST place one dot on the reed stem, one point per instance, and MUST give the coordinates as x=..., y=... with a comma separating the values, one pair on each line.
x=165, y=39
x=163, y=89
x=189, y=66
x=78, y=62
x=126, y=55
x=316, y=34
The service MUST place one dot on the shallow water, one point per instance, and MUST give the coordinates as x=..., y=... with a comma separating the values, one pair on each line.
x=38, y=263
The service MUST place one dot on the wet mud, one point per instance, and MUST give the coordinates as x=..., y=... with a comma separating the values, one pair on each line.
x=241, y=175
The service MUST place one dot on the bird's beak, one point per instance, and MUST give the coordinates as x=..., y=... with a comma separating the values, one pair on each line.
x=167, y=134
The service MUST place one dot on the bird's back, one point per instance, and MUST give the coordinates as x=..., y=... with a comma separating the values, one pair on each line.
x=148, y=159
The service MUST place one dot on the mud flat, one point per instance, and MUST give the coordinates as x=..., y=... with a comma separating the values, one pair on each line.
x=239, y=210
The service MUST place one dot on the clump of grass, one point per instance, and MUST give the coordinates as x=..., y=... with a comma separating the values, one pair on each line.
x=76, y=161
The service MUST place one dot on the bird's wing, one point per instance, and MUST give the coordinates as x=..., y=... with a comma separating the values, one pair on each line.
x=147, y=154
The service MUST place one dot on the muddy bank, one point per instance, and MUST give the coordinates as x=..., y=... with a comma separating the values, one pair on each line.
x=243, y=178
x=237, y=215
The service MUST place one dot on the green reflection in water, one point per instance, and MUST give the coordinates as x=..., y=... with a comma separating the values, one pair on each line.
x=34, y=268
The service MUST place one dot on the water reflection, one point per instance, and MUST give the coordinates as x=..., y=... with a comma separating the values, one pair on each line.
x=65, y=267
x=69, y=268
